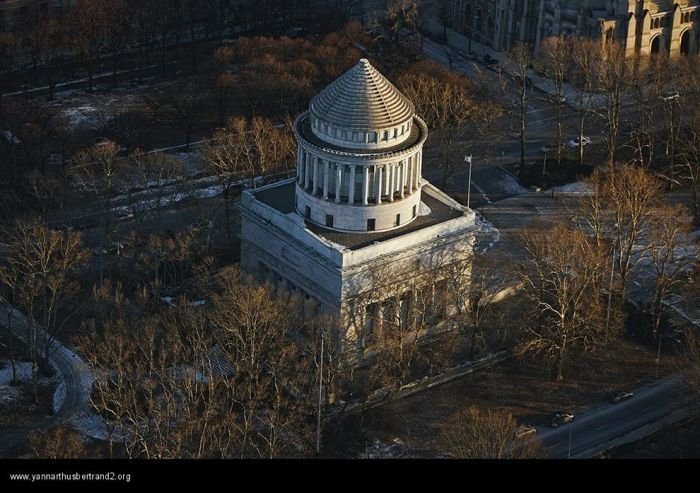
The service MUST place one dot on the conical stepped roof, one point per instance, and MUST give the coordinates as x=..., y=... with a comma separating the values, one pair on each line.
x=362, y=98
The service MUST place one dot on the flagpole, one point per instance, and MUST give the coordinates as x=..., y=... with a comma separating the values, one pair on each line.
x=468, y=159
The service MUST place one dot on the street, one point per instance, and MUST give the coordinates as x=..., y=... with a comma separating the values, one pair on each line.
x=591, y=431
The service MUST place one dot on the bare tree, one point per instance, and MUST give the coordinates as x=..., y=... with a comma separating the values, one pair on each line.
x=520, y=59
x=473, y=287
x=188, y=105
x=690, y=156
x=87, y=34
x=554, y=56
x=454, y=108
x=475, y=433
x=158, y=173
x=562, y=276
x=226, y=155
x=60, y=442
x=401, y=14
x=670, y=257
x=631, y=194
x=612, y=78
x=585, y=54
x=41, y=266
x=8, y=53
x=96, y=170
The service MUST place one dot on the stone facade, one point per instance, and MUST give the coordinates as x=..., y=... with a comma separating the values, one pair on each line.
x=357, y=208
x=642, y=26
x=498, y=24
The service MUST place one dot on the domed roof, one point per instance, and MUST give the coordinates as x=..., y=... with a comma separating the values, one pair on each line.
x=362, y=98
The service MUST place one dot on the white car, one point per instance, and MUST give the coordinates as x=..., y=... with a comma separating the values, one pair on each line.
x=574, y=143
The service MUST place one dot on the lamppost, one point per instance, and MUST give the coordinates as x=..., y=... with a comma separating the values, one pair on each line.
x=658, y=357
x=544, y=163
x=468, y=159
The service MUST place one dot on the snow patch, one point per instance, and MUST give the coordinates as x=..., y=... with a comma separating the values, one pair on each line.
x=423, y=209
x=9, y=393
x=80, y=115
x=510, y=186
x=576, y=187
x=380, y=450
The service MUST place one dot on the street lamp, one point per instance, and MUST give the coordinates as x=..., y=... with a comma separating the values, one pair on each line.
x=658, y=357
x=544, y=164
x=468, y=159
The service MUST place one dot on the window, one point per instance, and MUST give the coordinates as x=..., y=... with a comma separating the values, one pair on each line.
x=415, y=208
x=386, y=135
x=396, y=132
x=371, y=224
x=372, y=137
x=398, y=219
x=329, y=220
x=307, y=212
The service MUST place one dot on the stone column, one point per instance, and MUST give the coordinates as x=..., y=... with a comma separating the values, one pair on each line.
x=411, y=173
x=419, y=170
x=402, y=181
x=365, y=184
x=391, y=179
x=326, y=170
x=338, y=176
x=307, y=173
x=299, y=164
x=378, y=178
x=314, y=185
x=414, y=162
x=351, y=186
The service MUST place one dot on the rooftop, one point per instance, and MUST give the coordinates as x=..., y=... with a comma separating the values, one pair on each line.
x=362, y=98
x=281, y=198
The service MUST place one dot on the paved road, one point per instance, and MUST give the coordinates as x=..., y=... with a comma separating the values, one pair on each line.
x=592, y=430
x=72, y=370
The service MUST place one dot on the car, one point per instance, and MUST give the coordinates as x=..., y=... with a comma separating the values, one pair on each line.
x=669, y=96
x=574, y=143
x=615, y=396
x=554, y=98
x=523, y=431
x=559, y=418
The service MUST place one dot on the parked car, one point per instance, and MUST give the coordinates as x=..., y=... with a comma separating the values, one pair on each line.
x=523, y=431
x=616, y=396
x=559, y=418
x=574, y=143
x=669, y=96
x=554, y=98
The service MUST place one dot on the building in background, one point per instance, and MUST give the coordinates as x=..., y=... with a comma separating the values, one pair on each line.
x=643, y=27
x=498, y=24
x=358, y=225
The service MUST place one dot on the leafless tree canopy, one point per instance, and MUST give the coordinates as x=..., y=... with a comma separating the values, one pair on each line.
x=475, y=433
x=234, y=378
x=562, y=277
